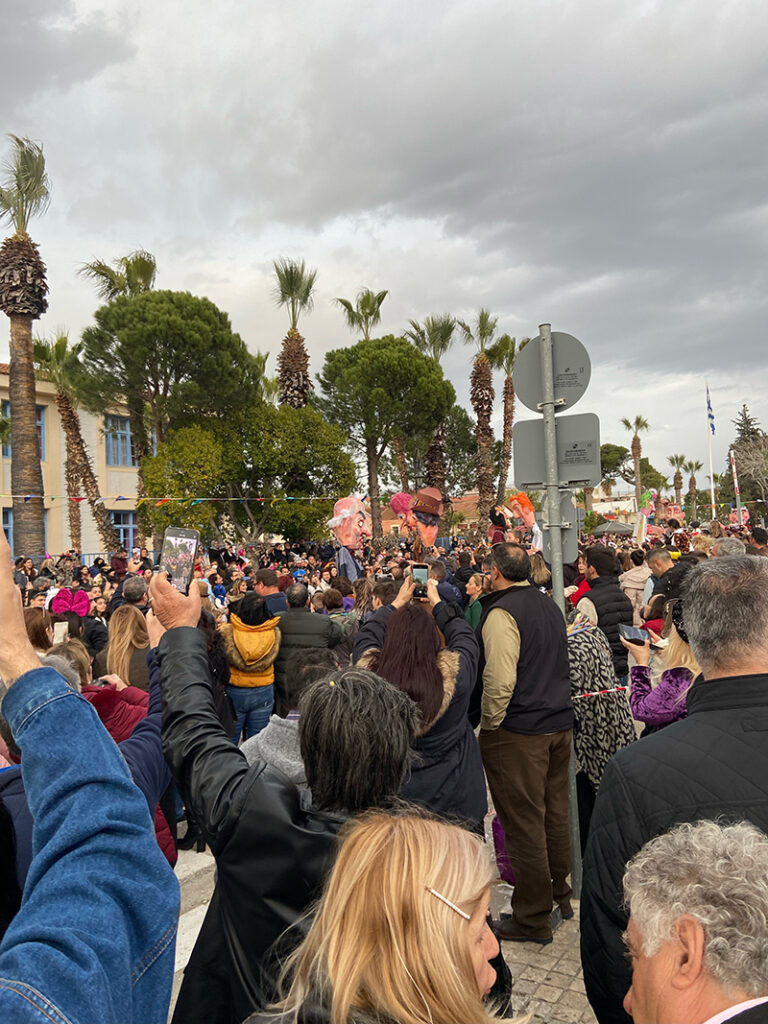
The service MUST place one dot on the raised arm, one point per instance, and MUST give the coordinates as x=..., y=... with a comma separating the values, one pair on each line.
x=94, y=938
x=207, y=766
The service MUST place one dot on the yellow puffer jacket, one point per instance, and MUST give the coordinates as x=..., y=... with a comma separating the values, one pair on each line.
x=251, y=651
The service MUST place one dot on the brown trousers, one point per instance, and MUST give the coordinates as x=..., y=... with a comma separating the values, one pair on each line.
x=528, y=779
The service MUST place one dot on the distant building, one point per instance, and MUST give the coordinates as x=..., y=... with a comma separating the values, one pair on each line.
x=108, y=439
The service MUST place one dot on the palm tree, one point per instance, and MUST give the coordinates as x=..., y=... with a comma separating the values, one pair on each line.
x=692, y=468
x=502, y=356
x=365, y=313
x=295, y=284
x=481, y=395
x=23, y=289
x=56, y=362
x=678, y=463
x=634, y=427
x=432, y=338
x=129, y=275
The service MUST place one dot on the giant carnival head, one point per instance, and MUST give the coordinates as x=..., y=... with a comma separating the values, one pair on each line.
x=350, y=522
x=426, y=509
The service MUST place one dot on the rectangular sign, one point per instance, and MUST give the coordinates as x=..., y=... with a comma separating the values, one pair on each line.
x=578, y=452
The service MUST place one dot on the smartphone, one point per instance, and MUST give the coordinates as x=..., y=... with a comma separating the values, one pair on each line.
x=633, y=635
x=178, y=556
x=420, y=571
x=60, y=632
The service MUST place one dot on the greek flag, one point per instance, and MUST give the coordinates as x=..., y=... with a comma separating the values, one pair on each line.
x=710, y=414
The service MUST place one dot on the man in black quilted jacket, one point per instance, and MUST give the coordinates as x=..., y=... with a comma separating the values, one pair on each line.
x=714, y=763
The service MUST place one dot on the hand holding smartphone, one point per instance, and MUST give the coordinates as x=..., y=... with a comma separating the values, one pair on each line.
x=420, y=573
x=178, y=556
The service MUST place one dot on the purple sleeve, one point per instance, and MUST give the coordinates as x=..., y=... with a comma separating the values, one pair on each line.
x=663, y=705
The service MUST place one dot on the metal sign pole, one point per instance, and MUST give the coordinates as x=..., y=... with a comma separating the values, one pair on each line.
x=550, y=461
x=556, y=549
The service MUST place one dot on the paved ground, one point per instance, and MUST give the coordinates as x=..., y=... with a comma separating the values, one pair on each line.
x=547, y=979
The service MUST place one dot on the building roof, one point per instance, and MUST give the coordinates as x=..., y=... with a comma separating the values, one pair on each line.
x=5, y=367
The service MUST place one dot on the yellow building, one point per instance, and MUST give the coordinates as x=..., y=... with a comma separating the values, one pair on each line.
x=108, y=439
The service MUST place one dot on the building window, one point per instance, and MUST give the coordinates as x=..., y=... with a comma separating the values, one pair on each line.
x=8, y=527
x=127, y=526
x=40, y=411
x=119, y=442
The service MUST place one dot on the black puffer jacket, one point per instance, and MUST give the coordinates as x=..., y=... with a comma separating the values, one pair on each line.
x=447, y=773
x=712, y=763
x=272, y=854
x=613, y=609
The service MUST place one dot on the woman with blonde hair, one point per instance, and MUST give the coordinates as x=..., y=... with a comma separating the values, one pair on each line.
x=664, y=703
x=475, y=589
x=401, y=933
x=127, y=648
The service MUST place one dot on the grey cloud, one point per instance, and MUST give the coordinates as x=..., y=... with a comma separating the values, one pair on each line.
x=45, y=46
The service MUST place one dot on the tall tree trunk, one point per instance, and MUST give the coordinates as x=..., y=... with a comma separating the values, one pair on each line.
x=70, y=422
x=293, y=368
x=678, y=485
x=692, y=500
x=506, y=441
x=402, y=466
x=72, y=478
x=372, y=461
x=434, y=460
x=481, y=394
x=141, y=449
x=26, y=471
x=636, y=456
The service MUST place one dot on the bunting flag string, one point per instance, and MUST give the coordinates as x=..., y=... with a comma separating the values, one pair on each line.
x=192, y=500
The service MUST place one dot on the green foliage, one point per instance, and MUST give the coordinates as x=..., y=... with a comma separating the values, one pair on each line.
x=5, y=430
x=591, y=521
x=129, y=275
x=483, y=335
x=434, y=337
x=279, y=454
x=294, y=287
x=383, y=386
x=366, y=311
x=187, y=465
x=460, y=456
x=254, y=461
x=613, y=461
x=172, y=357
x=25, y=189
x=651, y=477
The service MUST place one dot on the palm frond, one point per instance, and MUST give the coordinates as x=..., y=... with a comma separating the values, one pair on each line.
x=25, y=189
x=295, y=285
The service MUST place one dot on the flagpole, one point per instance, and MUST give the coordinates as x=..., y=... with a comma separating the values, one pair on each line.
x=710, y=432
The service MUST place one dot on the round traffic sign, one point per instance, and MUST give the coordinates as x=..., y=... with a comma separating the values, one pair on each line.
x=571, y=369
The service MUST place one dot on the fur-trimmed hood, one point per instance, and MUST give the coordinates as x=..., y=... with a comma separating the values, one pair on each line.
x=251, y=649
x=447, y=661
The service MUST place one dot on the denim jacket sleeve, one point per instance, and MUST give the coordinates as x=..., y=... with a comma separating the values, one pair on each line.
x=95, y=936
x=209, y=769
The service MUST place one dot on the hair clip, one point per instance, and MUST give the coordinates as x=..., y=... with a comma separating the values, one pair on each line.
x=448, y=903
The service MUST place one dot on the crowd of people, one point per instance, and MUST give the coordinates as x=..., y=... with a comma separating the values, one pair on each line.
x=344, y=747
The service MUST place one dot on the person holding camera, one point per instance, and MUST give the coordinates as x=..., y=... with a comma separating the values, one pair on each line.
x=425, y=648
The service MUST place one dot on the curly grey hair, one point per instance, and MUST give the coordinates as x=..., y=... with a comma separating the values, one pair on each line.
x=718, y=874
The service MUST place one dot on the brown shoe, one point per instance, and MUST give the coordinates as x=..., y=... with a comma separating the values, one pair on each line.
x=509, y=930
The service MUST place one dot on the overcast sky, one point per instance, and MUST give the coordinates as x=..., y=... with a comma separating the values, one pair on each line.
x=597, y=164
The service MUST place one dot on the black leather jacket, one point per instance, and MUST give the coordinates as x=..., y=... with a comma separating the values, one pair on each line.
x=272, y=854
